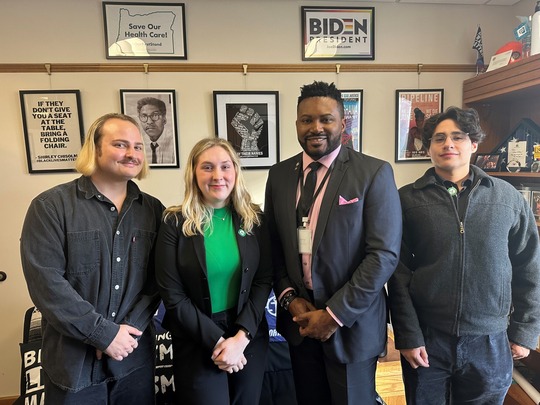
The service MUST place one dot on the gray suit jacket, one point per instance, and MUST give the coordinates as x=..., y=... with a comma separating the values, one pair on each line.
x=355, y=249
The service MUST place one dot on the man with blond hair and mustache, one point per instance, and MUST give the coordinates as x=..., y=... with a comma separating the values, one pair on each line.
x=87, y=256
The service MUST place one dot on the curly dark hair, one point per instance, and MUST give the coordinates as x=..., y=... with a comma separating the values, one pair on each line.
x=321, y=89
x=467, y=120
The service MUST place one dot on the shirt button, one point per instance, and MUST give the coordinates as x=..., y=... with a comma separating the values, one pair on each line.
x=113, y=208
x=118, y=232
x=116, y=287
x=118, y=259
x=113, y=314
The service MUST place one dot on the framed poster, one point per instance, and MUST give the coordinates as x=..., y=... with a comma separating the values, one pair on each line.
x=53, y=129
x=339, y=33
x=413, y=107
x=521, y=148
x=526, y=193
x=249, y=120
x=488, y=162
x=145, y=30
x=535, y=204
x=155, y=110
x=517, y=155
x=352, y=104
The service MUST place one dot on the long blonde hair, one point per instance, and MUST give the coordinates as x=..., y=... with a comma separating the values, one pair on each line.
x=86, y=161
x=197, y=215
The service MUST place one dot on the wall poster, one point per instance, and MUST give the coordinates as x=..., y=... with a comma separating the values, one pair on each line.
x=145, y=30
x=352, y=106
x=155, y=111
x=53, y=129
x=338, y=33
x=413, y=107
x=249, y=120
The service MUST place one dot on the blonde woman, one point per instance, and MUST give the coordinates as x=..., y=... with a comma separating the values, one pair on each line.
x=214, y=274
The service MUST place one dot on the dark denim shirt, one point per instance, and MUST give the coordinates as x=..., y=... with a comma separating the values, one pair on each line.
x=89, y=269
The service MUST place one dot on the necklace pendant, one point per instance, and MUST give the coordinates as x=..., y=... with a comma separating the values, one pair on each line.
x=222, y=218
x=452, y=191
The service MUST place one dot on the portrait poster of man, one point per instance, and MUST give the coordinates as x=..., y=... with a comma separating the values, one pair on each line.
x=247, y=129
x=413, y=108
x=155, y=112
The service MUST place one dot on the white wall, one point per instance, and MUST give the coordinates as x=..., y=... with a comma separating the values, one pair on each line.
x=233, y=31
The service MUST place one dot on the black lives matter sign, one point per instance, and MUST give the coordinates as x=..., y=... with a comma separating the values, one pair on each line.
x=53, y=129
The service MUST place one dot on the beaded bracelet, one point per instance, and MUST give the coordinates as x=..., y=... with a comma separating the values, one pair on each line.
x=287, y=299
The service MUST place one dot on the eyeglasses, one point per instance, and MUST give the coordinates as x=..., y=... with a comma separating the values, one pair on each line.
x=154, y=116
x=456, y=137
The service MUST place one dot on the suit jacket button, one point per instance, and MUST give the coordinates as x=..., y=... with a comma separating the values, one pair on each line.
x=243, y=291
x=246, y=269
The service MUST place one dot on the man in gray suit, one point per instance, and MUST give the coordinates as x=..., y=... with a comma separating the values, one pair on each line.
x=333, y=255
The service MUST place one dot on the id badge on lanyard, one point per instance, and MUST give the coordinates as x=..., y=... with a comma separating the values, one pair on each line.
x=304, y=238
x=303, y=232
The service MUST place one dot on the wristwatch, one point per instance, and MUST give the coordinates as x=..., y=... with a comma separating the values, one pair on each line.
x=248, y=335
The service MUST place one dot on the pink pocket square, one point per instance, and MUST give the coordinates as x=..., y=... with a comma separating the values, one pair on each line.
x=343, y=201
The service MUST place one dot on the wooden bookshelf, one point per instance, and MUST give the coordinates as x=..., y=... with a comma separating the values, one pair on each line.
x=503, y=97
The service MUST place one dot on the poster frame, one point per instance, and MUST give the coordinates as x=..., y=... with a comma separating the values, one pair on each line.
x=33, y=130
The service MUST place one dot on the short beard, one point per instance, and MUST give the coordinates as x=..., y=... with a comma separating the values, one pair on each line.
x=316, y=155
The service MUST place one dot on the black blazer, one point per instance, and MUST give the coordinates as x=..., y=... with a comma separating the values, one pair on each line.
x=355, y=249
x=182, y=280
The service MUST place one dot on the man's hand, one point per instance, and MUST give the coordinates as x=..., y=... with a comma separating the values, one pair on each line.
x=123, y=344
x=518, y=352
x=317, y=324
x=300, y=306
x=416, y=357
x=228, y=354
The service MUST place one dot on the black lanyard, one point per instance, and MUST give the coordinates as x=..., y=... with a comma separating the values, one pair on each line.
x=305, y=214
